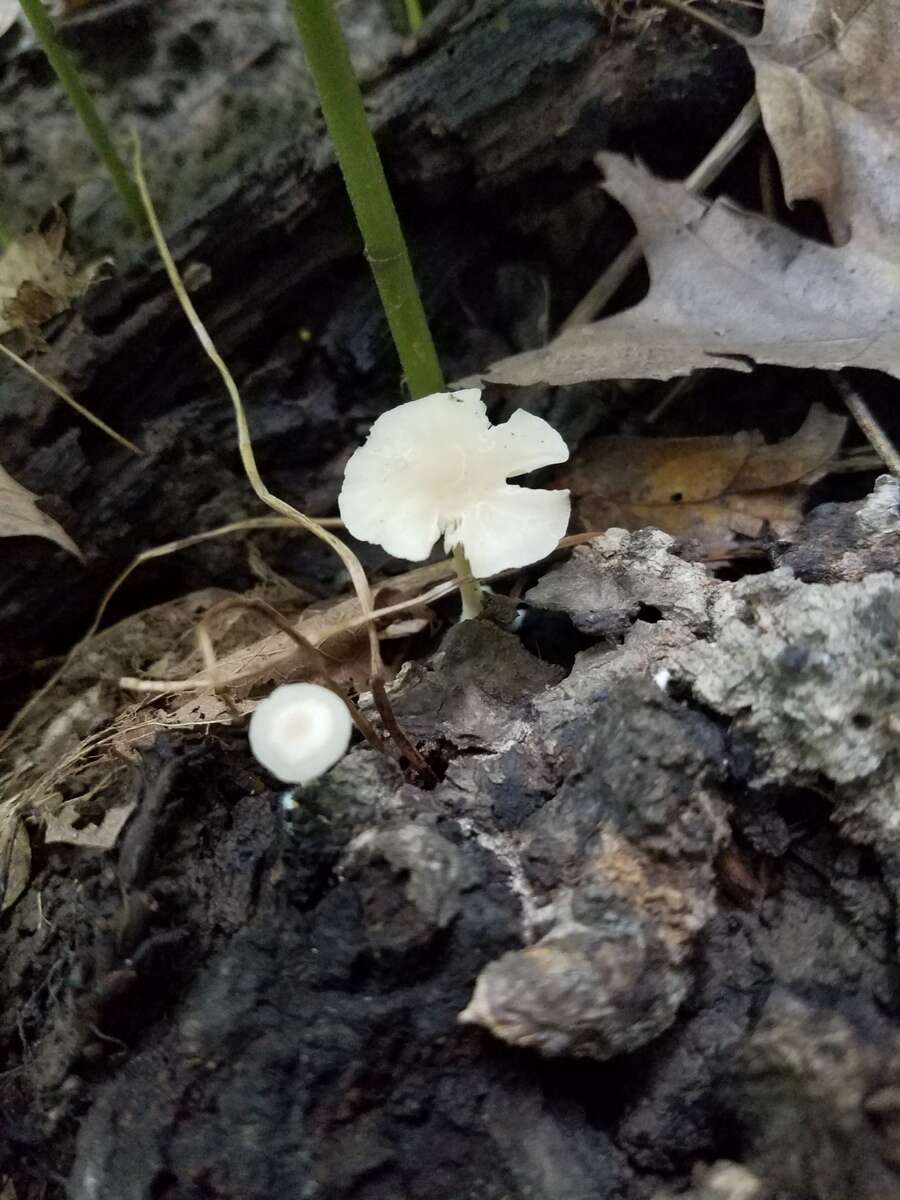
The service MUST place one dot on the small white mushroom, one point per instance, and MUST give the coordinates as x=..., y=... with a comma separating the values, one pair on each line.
x=437, y=466
x=299, y=731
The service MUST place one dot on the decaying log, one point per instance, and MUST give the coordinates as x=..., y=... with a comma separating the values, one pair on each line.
x=488, y=128
x=664, y=901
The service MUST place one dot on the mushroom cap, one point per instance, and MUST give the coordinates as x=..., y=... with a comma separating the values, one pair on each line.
x=299, y=731
x=437, y=466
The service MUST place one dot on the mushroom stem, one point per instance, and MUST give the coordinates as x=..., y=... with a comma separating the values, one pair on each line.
x=469, y=587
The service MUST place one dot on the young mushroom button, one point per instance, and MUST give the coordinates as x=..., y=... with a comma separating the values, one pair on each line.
x=299, y=731
x=437, y=466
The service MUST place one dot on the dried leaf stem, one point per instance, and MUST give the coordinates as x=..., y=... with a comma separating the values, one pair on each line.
x=729, y=144
x=318, y=663
x=64, y=394
x=868, y=423
x=144, y=556
x=245, y=445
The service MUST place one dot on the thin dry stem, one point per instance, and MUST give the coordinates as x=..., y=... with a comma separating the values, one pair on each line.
x=732, y=140
x=438, y=592
x=674, y=392
x=159, y=686
x=245, y=445
x=868, y=423
x=211, y=664
x=383, y=704
x=319, y=662
x=64, y=394
x=144, y=556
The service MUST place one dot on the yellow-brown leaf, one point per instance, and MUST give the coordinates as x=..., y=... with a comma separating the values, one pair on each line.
x=707, y=490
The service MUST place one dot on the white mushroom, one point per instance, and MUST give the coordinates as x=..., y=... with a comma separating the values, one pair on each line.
x=437, y=466
x=299, y=731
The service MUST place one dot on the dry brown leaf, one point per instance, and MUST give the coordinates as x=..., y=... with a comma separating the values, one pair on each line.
x=61, y=828
x=15, y=861
x=38, y=279
x=21, y=517
x=828, y=82
x=86, y=698
x=726, y=287
x=276, y=658
x=706, y=490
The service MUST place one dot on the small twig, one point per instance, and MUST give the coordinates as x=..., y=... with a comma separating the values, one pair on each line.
x=386, y=712
x=245, y=444
x=862, y=458
x=732, y=140
x=64, y=394
x=162, y=686
x=319, y=662
x=144, y=556
x=674, y=392
x=211, y=665
x=596, y=298
x=578, y=539
x=865, y=419
x=436, y=593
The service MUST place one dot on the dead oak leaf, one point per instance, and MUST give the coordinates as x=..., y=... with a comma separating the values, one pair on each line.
x=15, y=861
x=709, y=491
x=21, y=517
x=728, y=289
x=276, y=658
x=38, y=279
x=67, y=827
x=827, y=76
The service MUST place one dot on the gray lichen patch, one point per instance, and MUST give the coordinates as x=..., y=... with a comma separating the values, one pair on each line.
x=847, y=541
x=609, y=581
x=477, y=690
x=811, y=672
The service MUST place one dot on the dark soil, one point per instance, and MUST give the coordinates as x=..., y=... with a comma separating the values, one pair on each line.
x=255, y=996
